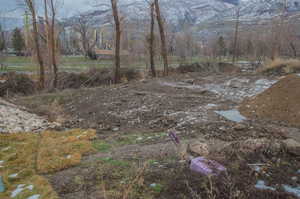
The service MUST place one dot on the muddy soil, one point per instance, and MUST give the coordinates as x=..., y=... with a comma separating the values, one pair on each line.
x=133, y=120
x=280, y=102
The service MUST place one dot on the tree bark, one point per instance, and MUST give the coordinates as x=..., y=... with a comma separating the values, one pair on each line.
x=31, y=7
x=151, y=42
x=117, y=78
x=235, y=43
x=53, y=44
x=164, y=52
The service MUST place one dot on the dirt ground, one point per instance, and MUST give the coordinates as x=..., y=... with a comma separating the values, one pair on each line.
x=132, y=121
x=280, y=102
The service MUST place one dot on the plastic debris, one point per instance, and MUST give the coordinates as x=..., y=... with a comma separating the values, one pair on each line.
x=13, y=175
x=18, y=190
x=174, y=137
x=292, y=190
x=232, y=115
x=261, y=185
x=6, y=149
x=206, y=167
x=2, y=187
x=37, y=196
x=30, y=187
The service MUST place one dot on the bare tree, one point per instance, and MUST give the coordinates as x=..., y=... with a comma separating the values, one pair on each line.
x=83, y=26
x=31, y=7
x=164, y=52
x=151, y=41
x=117, y=40
x=53, y=45
x=235, y=42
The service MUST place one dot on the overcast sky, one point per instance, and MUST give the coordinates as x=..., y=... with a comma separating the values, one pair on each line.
x=66, y=7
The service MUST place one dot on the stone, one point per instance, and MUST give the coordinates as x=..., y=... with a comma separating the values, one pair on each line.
x=292, y=146
x=198, y=148
x=239, y=127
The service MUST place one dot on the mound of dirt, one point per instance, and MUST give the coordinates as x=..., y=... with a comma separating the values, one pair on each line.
x=281, y=102
x=95, y=77
x=13, y=83
x=208, y=67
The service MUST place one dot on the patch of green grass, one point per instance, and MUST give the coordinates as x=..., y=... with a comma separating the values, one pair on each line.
x=117, y=163
x=156, y=187
x=101, y=146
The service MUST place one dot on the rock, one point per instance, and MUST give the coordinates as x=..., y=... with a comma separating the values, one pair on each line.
x=189, y=81
x=292, y=146
x=239, y=127
x=116, y=129
x=253, y=145
x=198, y=148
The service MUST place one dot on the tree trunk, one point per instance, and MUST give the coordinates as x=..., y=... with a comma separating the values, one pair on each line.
x=53, y=44
x=164, y=52
x=294, y=50
x=114, y=6
x=31, y=7
x=151, y=42
x=236, y=36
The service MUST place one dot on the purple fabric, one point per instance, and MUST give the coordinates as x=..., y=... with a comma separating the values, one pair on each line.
x=174, y=137
x=206, y=167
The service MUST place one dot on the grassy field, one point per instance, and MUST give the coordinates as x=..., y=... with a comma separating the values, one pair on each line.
x=80, y=63
x=24, y=157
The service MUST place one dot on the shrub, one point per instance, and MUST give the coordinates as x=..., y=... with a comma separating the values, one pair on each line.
x=17, y=84
x=281, y=67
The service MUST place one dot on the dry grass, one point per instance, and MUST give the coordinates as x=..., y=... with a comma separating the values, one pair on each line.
x=278, y=65
x=62, y=150
x=29, y=154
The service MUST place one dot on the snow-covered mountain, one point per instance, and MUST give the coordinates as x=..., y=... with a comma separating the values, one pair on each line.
x=197, y=12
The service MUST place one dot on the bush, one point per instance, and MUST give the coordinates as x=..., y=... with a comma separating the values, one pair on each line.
x=208, y=67
x=281, y=67
x=17, y=84
x=95, y=77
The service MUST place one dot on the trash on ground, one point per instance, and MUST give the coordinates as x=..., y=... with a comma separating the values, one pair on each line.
x=2, y=187
x=292, y=190
x=174, y=137
x=232, y=115
x=261, y=185
x=19, y=189
x=13, y=175
x=206, y=167
x=37, y=196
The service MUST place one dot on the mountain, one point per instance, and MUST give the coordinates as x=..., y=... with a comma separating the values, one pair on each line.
x=198, y=12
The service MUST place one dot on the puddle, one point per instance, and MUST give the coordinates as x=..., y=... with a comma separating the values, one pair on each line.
x=292, y=190
x=261, y=185
x=232, y=115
